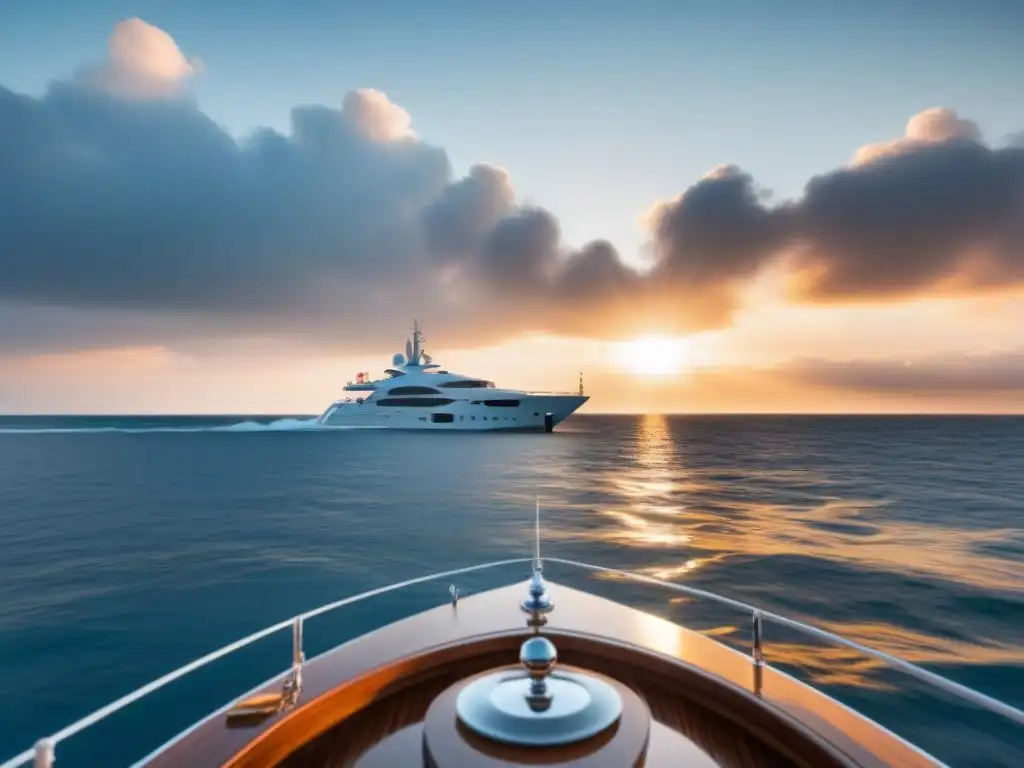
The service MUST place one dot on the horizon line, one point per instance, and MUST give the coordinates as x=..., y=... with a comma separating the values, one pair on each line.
x=853, y=414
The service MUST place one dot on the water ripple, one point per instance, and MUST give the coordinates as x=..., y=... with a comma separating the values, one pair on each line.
x=128, y=547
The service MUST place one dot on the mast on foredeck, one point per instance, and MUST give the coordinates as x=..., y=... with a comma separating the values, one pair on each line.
x=415, y=350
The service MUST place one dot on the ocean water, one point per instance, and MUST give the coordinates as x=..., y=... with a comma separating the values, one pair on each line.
x=130, y=546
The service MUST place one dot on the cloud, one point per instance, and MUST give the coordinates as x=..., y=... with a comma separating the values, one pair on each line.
x=458, y=222
x=938, y=212
x=944, y=383
x=714, y=238
x=932, y=126
x=120, y=204
x=143, y=61
x=31, y=329
x=939, y=375
x=124, y=206
x=947, y=217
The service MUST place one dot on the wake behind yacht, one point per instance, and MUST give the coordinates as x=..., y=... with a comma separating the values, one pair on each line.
x=416, y=394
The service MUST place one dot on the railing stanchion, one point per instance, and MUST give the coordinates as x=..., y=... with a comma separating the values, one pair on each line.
x=44, y=754
x=757, y=650
x=297, y=654
x=293, y=682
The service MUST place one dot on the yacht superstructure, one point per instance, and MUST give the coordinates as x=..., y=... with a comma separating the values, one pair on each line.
x=416, y=393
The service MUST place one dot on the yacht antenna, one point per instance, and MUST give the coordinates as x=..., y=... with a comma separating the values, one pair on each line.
x=537, y=602
x=581, y=383
x=536, y=558
x=491, y=705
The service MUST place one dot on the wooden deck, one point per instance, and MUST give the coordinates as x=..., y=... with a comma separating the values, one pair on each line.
x=363, y=704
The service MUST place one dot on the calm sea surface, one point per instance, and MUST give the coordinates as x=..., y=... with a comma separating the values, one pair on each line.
x=131, y=546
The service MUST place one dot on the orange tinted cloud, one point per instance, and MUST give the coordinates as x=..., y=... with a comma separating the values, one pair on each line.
x=932, y=126
x=935, y=375
x=121, y=360
x=143, y=61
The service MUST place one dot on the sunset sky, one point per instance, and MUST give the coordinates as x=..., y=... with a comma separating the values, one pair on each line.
x=732, y=207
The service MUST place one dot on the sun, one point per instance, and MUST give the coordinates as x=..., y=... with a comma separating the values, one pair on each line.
x=653, y=356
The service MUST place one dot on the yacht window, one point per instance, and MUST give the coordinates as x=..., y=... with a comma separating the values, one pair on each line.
x=413, y=391
x=414, y=402
x=469, y=384
x=502, y=403
x=442, y=418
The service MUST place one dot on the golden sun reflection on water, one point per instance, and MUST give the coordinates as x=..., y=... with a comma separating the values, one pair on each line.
x=646, y=488
x=659, y=502
x=692, y=514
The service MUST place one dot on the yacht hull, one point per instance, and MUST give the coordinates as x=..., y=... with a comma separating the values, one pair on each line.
x=460, y=416
x=367, y=702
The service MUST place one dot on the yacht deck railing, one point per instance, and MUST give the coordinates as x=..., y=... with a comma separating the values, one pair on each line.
x=42, y=754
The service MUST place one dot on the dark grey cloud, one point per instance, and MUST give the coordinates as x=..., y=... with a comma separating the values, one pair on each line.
x=942, y=215
x=120, y=198
x=459, y=221
x=719, y=230
x=926, y=216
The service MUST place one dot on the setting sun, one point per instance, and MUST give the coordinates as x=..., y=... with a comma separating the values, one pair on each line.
x=653, y=356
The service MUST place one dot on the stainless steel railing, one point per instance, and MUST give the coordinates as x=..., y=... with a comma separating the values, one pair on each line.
x=43, y=752
x=758, y=616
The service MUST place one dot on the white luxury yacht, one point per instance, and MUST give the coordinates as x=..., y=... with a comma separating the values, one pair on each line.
x=416, y=394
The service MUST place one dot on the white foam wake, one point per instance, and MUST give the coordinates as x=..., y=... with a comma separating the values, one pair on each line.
x=277, y=425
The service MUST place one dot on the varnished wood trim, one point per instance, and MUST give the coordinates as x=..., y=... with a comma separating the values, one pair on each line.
x=676, y=680
x=382, y=661
x=284, y=737
x=387, y=715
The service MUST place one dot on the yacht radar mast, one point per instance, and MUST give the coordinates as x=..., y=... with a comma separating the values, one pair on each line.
x=414, y=346
x=417, y=337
